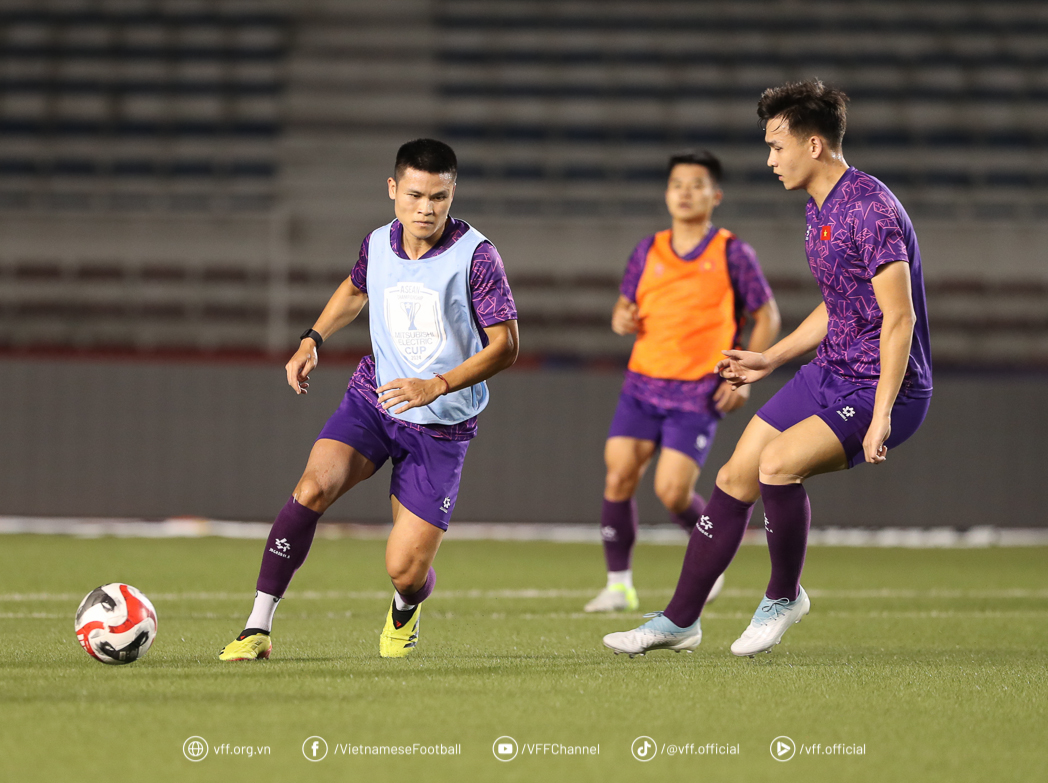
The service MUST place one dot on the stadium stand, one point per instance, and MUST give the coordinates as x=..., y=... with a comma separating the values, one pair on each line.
x=950, y=98
x=188, y=175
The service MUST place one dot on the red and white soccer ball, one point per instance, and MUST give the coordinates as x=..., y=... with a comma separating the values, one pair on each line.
x=115, y=623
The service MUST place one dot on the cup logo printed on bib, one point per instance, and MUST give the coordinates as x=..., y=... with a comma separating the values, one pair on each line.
x=415, y=322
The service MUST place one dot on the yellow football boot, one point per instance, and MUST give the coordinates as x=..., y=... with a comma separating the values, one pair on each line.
x=248, y=647
x=397, y=641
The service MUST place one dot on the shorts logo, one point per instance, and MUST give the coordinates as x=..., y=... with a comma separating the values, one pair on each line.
x=415, y=323
x=445, y=507
x=282, y=545
x=846, y=412
x=704, y=525
x=701, y=442
x=608, y=533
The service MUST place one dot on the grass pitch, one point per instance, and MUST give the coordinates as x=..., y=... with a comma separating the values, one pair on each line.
x=933, y=661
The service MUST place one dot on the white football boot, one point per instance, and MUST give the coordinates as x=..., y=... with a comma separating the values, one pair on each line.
x=771, y=620
x=615, y=598
x=659, y=633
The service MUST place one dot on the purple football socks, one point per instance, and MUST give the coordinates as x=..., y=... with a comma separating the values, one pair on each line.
x=713, y=544
x=287, y=546
x=687, y=518
x=618, y=530
x=424, y=592
x=787, y=517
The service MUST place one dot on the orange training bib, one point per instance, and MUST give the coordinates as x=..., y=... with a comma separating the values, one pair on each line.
x=686, y=310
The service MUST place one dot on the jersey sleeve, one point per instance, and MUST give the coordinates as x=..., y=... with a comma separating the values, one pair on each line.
x=489, y=289
x=359, y=274
x=878, y=236
x=747, y=277
x=635, y=268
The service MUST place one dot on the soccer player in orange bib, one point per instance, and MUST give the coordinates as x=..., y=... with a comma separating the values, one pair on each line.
x=685, y=295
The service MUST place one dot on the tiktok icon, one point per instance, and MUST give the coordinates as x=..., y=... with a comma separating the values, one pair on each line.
x=644, y=749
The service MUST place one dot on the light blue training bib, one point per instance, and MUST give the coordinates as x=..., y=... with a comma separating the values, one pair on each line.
x=421, y=319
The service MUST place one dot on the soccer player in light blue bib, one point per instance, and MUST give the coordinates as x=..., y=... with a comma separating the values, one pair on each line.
x=442, y=322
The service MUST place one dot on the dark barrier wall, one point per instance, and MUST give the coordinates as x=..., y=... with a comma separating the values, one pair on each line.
x=152, y=439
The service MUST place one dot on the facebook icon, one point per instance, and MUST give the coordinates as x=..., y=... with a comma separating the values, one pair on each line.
x=314, y=748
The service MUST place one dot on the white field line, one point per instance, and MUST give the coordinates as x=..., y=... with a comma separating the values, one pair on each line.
x=626, y=619
x=911, y=538
x=537, y=594
x=930, y=615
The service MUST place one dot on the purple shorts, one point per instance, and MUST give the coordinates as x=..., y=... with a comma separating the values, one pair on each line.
x=845, y=407
x=426, y=471
x=683, y=431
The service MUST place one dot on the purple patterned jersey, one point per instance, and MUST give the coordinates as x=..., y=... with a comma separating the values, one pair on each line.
x=860, y=228
x=492, y=304
x=751, y=291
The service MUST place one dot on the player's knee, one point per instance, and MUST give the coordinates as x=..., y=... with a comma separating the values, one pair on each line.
x=676, y=497
x=737, y=483
x=313, y=494
x=775, y=461
x=620, y=484
x=407, y=575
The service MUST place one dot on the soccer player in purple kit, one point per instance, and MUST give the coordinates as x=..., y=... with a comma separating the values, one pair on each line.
x=684, y=294
x=441, y=308
x=866, y=391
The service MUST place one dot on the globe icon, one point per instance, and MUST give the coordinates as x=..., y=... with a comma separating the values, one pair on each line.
x=195, y=748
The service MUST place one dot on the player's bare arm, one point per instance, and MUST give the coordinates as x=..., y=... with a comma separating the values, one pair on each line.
x=891, y=287
x=500, y=353
x=743, y=367
x=624, y=318
x=343, y=306
x=766, y=324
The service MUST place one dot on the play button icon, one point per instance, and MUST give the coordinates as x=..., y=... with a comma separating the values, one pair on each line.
x=782, y=748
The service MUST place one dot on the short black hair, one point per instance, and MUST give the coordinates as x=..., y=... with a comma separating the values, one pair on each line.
x=429, y=155
x=809, y=108
x=697, y=158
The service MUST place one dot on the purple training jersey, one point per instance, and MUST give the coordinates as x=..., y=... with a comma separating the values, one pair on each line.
x=492, y=304
x=860, y=228
x=751, y=291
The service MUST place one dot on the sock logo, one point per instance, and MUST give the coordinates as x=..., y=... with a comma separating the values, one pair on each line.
x=846, y=412
x=283, y=546
x=767, y=524
x=608, y=534
x=704, y=525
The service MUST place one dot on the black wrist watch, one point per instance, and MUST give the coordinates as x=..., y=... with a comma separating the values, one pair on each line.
x=312, y=334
